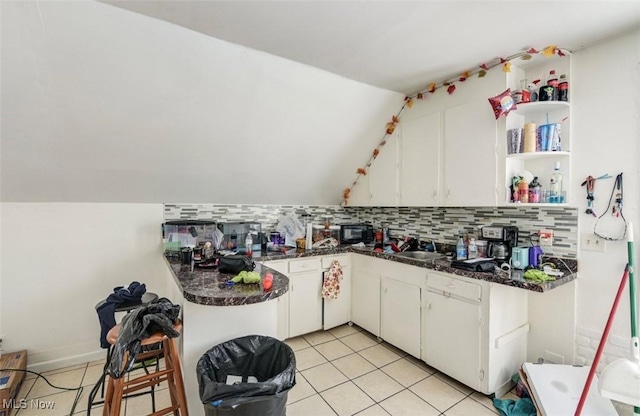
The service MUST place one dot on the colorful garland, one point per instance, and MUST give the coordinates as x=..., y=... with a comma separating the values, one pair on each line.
x=481, y=71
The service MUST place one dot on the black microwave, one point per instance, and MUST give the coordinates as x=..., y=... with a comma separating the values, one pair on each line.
x=356, y=233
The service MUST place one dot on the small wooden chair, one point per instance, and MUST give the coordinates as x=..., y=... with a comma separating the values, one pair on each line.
x=118, y=388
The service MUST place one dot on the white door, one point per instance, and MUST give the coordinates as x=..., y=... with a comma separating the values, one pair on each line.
x=400, y=315
x=420, y=161
x=452, y=337
x=305, y=302
x=365, y=300
x=338, y=311
x=383, y=175
x=470, y=159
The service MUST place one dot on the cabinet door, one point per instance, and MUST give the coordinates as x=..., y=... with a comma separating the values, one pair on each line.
x=338, y=311
x=283, y=316
x=305, y=302
x=470, y=160
x=400, y=315
x=383, y=175
x=365, y=300
x=452, y=337
x=420, y=161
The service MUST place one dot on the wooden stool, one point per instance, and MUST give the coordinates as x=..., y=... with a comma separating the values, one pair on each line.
x=127, y=307
x=118, y=388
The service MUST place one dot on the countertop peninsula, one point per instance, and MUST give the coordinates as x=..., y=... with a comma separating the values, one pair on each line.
x=209, y=287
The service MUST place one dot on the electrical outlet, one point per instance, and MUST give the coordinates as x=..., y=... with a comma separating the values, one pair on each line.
x=545, y=237
x=592, y=242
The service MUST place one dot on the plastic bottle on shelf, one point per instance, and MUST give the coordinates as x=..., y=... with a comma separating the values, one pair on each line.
x=533, y=90
x=461, y=249
x=526, y=94
x=553, y=79
x=522, y=95
x=473, y=249
x=523, y=191
x=555, y=185
x=563, y=88
x=549, y=91
x=534, y=191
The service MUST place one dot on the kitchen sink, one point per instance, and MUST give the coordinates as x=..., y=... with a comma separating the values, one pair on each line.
x=420, y=255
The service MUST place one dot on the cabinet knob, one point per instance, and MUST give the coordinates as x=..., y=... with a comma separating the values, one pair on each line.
x=448, y=192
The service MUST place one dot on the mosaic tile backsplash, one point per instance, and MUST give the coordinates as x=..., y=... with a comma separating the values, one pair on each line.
x=440, y=224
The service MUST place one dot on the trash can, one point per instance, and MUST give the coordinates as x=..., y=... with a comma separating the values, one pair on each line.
x=246, y=376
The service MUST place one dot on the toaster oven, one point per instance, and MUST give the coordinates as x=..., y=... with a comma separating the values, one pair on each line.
x=356, y=233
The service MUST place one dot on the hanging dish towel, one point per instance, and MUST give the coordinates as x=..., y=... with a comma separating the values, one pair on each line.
x=331, y=283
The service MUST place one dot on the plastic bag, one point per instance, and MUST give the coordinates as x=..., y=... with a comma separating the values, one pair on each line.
x=291, y=228
x=270, y=361
x=502, y=104
x=157, y=316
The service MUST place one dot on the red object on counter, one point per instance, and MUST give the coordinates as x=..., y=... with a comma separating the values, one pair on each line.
x=395, y=248
x=267, y=283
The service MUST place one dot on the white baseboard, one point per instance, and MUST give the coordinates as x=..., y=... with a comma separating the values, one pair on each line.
x=67, y=361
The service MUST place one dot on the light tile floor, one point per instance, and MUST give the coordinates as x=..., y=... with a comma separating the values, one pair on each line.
x=348, y=371
x=343, y=371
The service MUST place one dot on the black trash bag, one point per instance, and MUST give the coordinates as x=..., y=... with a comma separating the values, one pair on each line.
x=157, y=316
x=270, y=361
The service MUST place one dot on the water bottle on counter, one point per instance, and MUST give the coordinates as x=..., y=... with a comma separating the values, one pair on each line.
x=461, y=249
x=248, y=242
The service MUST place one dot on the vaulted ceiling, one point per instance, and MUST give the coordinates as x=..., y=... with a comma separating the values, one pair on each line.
x=397, y=45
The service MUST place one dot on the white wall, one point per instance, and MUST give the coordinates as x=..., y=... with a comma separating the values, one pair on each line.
x=59, y=260
x=101, y=105
x=605, y=92
x=105, y=105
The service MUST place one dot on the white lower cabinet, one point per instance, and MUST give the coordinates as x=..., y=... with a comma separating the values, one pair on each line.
x=336, y=312
x=281, y=266
x=305, y=303
x=474, y=331
x=400, y=315
x=452, y=325
x=302, y=309
x=365, y=293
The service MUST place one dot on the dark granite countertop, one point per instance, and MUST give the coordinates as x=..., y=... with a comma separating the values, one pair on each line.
x=510, y=278
x=208, y=287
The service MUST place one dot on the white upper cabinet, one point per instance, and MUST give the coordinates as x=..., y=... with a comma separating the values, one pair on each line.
x=444, y=151
x=470, y=159
x=420, y=161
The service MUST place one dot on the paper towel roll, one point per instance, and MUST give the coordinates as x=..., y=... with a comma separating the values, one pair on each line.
x=530, y=137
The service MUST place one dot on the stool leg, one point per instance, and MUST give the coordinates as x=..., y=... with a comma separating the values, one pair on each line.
x=177, y=375
x=116, y=399
x=108, y=398
x=99, y=384
x=106, y=364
